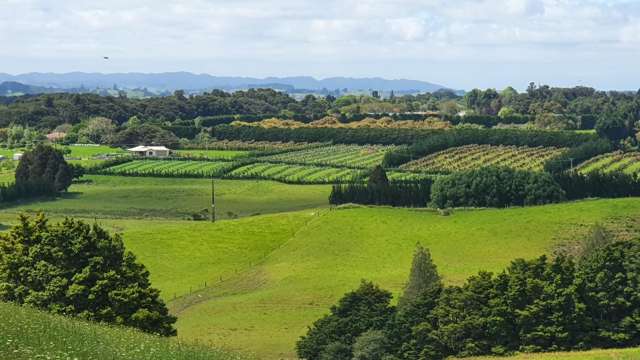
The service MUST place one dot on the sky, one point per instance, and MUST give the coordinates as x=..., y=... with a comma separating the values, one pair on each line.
x=461, y=44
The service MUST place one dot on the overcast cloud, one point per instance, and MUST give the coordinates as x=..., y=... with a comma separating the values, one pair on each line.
x=458, y=43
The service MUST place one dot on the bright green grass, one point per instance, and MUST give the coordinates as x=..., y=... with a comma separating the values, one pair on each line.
x=609, y=354
x=85, y=152
x=76, y=151
x=173, y=198
x=266, y=307
x=215, y=154
x=31, y=334
x=281, y=272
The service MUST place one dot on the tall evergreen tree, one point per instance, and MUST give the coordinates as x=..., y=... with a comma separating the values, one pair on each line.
x=43, y=170
x=423, y=279
x=378, y=177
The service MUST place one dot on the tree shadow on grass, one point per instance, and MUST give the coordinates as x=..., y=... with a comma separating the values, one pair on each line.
x=40, y=199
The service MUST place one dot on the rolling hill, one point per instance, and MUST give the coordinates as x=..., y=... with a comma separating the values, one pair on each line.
x=27, y=333
x=256, y=283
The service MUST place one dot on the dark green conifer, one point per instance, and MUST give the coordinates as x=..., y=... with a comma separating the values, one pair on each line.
x=423, y=279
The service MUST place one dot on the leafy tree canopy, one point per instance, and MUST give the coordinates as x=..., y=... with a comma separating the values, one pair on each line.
x=79, y=269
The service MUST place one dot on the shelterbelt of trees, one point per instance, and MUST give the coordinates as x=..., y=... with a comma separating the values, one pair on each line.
x=545, y=107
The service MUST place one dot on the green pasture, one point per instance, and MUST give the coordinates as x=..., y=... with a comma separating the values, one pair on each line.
x=255, y=283
x=27, y=334
x=85, y=152
x=268, y=306
x=76, y=150
x=99, y=196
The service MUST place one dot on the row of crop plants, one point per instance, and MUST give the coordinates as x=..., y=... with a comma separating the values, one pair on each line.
x=303, y=174
x=288, y=173
x=475, y=156
x=352, y=156
x=168, y=168
x=626, y=162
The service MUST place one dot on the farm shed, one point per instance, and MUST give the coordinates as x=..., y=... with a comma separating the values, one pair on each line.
x=150, y=151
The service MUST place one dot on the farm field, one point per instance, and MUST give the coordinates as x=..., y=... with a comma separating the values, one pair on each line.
x=173, y=168
x=475, y=156
x=30, y=334
x=172, y=198
x=215, y=154
x=296, y=173
x=268, y=277
x=91, y=151
x=628, y=163
x=353, y=156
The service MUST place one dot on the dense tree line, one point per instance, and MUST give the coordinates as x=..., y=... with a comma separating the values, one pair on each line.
x=547, y=107
x=379, y=191
x=441, y=140
x=488, y=121
x=74, y=268
x=385, y=136
x=50, y=110
x=495, y=187
x=557, y=304
x=597, y=184
x=556, y=108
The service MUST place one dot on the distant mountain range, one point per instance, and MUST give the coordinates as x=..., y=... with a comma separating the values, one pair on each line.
x=170, y=81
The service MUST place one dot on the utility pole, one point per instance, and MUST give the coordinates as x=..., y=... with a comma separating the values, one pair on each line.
x=571, y=159
x=213, y=201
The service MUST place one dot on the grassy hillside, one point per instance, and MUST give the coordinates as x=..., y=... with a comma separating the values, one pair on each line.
x=613, y=354
x=269, y=277
x=30, y=334
x=136, y=197
x=268, y=306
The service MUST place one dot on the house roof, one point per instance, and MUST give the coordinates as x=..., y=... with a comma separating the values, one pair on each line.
x=147, y=148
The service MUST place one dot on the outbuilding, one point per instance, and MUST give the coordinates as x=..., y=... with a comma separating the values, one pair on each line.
x=150, y=151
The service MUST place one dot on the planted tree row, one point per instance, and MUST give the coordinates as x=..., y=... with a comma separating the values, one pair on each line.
x=625, y=162
x=459, y=137
x=169, y=168
x=353, y=156
x=475, y=156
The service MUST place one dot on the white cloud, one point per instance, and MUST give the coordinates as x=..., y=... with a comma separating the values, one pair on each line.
x=446, y=39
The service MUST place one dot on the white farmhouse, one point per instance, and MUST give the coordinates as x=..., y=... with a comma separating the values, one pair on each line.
x=150, y=151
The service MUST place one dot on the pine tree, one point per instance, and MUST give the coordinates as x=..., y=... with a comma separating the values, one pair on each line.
x=378, y=177
x=423, y=279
